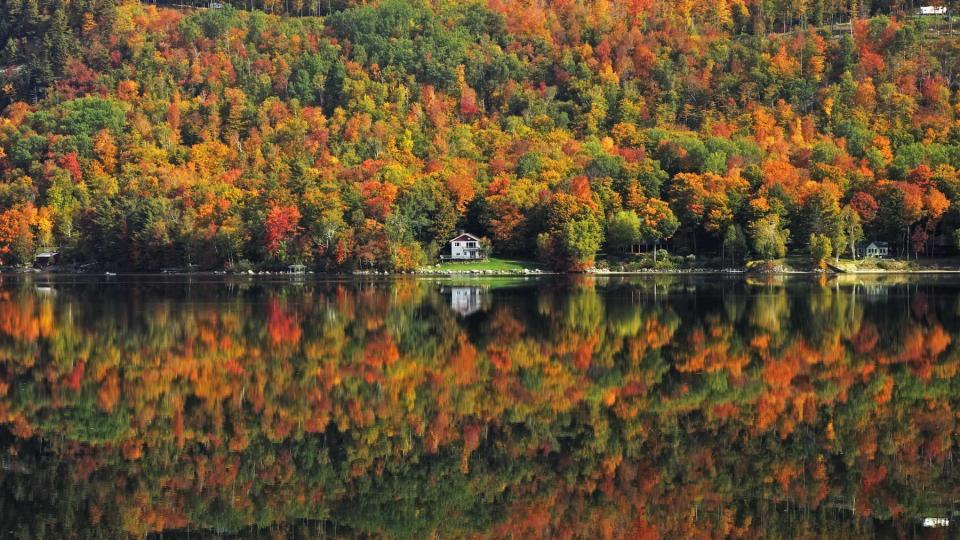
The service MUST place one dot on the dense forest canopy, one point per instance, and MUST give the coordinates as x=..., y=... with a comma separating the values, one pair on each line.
x=141, y=136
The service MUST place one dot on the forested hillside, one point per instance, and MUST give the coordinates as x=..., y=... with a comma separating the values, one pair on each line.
x=142, y=137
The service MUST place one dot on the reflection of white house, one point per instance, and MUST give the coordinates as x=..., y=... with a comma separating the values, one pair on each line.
x=465, y=247
x=933, y=10
x=873, y=249
x=466, y=300
x=872, y=289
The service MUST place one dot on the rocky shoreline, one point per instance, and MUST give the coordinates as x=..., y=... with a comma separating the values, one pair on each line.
x=436, y=272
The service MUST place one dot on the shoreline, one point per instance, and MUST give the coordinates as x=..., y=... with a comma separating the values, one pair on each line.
x=498, y=273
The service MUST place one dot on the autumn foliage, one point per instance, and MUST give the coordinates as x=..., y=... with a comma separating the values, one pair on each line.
x=602, y=409
x=140, y=136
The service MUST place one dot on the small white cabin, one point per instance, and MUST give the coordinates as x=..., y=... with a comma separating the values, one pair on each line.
x=873, y=249
x=466, y=247
x=933, y=10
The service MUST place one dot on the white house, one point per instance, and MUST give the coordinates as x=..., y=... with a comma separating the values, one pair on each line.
x=873, y=249
x=466, y=247
x=933, y=10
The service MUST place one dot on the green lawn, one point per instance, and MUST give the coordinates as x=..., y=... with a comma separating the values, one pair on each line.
x=924, y=264
x=791, y=263
x=867, y=265
x=490, y=264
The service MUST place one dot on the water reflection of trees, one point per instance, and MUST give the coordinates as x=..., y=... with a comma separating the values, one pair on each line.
x=599, y=408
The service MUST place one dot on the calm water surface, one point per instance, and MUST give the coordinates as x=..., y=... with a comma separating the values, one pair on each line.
x=551, y=408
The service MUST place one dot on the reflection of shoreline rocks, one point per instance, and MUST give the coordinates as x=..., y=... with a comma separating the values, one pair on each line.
x=524, y=272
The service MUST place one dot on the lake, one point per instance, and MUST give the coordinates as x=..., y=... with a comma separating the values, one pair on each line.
x=553, y=407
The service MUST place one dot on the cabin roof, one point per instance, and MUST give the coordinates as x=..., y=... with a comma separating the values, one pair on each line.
x=465, y=236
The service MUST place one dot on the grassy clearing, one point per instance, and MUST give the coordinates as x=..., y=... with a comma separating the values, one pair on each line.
x=873, y=265
x=791, y=263
x=492, y=264
x=932, y=264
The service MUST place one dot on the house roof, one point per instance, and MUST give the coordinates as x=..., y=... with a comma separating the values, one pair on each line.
x=465, y=236
x=877, y=243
